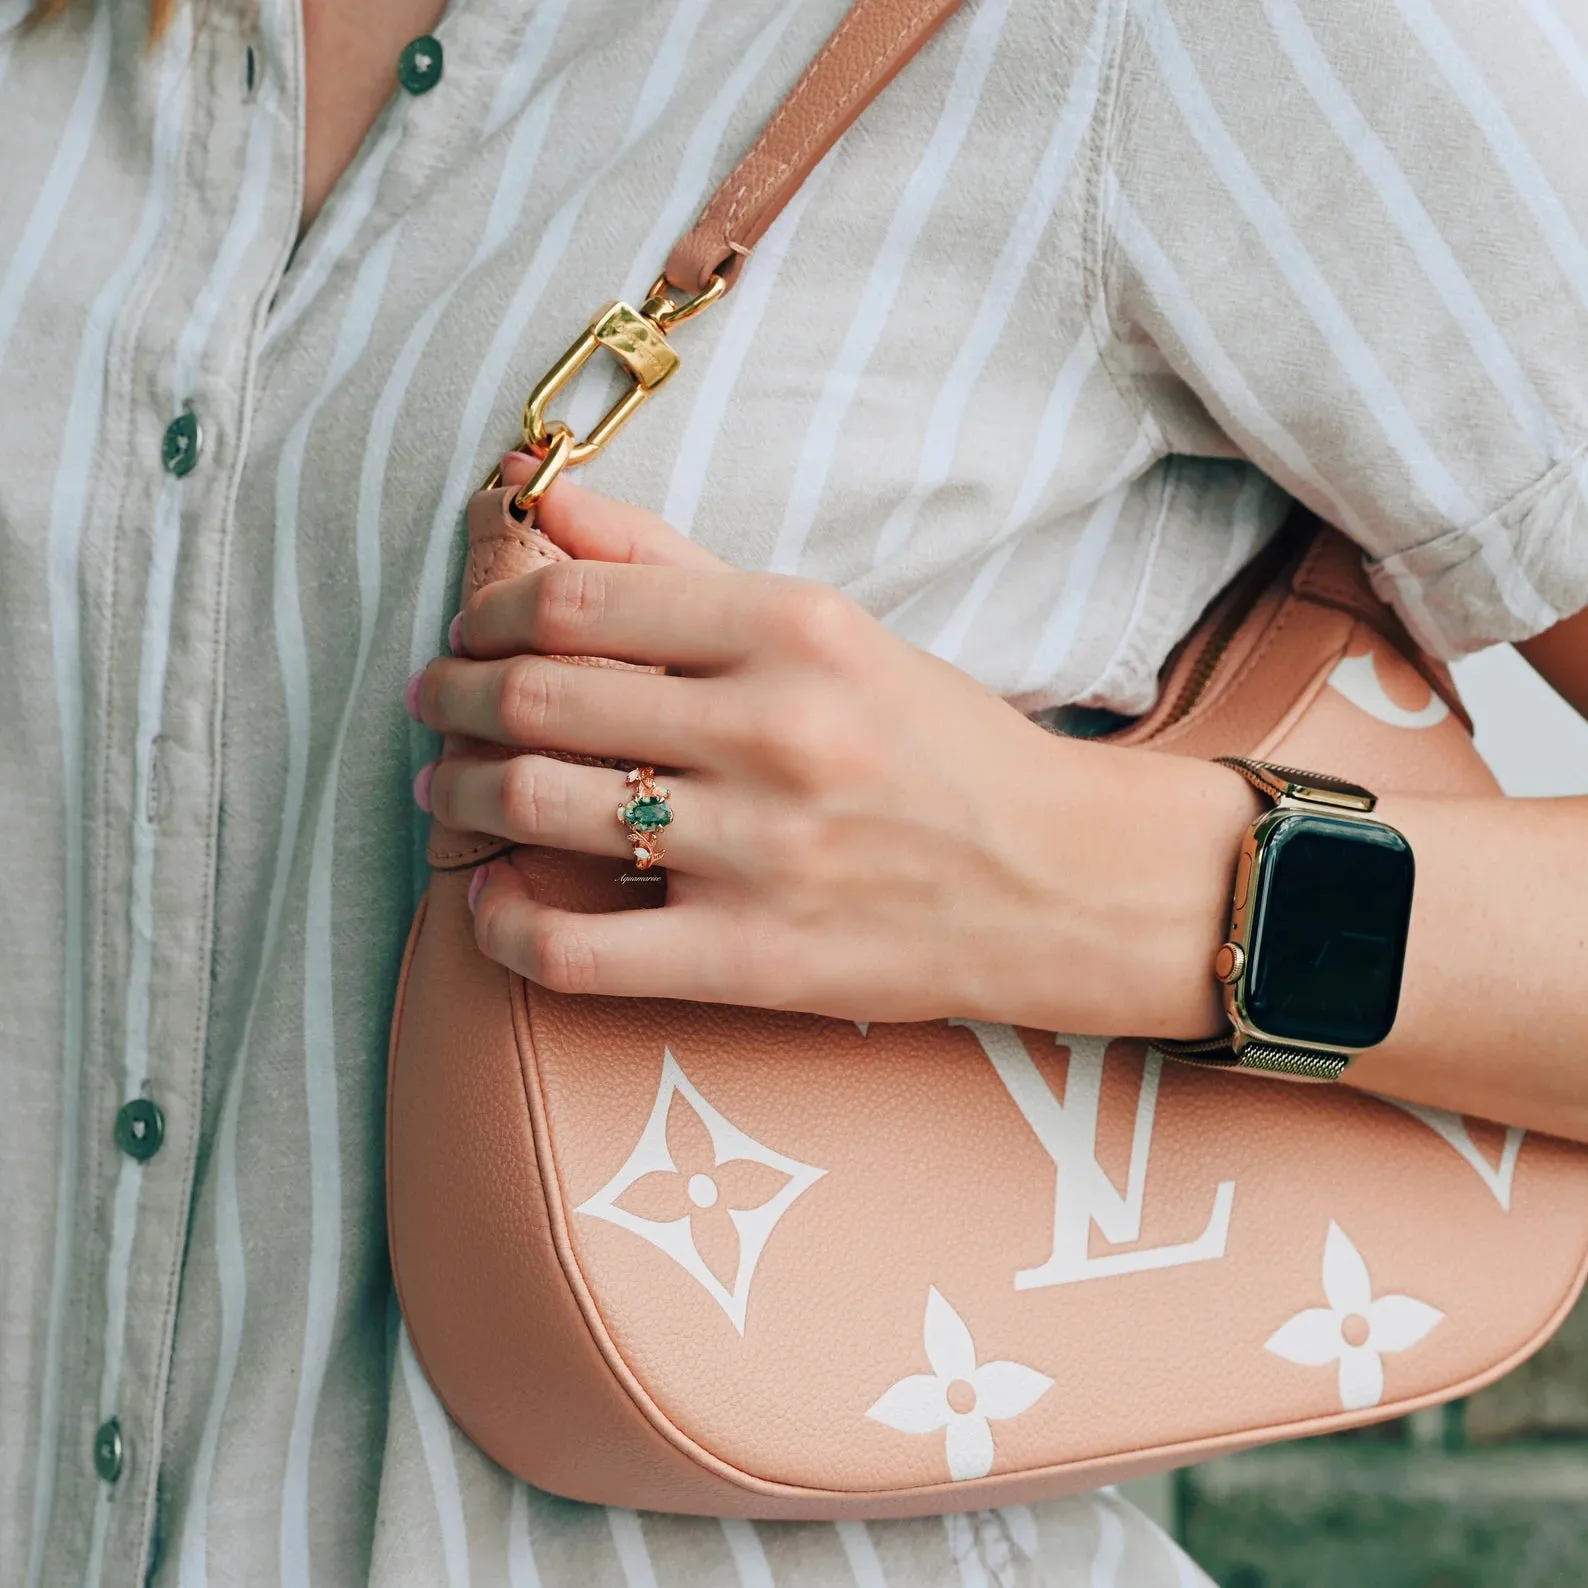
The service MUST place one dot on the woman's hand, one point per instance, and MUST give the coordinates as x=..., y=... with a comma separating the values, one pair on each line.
x=859, y=829
x=864, y=831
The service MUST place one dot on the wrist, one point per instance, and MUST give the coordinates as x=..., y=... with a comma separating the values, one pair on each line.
x=1128, y=915
x=1176, y=885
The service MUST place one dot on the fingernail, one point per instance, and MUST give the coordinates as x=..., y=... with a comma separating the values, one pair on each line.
x=452, y=636
x=476, y=882
x=422, y=782
x=411, y=694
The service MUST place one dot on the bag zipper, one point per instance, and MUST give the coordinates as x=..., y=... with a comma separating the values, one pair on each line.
x=1240, y=599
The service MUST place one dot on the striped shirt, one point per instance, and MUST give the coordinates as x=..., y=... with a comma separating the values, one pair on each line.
x=1028, y=368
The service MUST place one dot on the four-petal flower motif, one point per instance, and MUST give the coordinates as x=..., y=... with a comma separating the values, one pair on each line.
x=1356, y=1329
x=958, y=1394
x=703, y=1191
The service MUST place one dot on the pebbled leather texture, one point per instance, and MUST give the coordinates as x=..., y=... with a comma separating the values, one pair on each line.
x=697, y=1258
x=873, y=43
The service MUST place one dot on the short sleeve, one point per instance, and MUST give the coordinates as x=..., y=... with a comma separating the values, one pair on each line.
x=1357, y=232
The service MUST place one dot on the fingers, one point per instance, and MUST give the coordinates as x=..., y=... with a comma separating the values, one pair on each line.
x=667, y=953
x=558, y=804
x=592, y=526
x=699, y=620
x=587, y=526
x=537, y=703
x=635, y=590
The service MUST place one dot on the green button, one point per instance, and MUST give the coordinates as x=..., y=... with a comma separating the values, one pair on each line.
x=419, y=66
x=181, y=445
x=140, y=1128
x=109, y=1452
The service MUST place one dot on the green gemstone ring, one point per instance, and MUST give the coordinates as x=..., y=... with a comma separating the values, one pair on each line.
x=644, y=815
x=647, y=812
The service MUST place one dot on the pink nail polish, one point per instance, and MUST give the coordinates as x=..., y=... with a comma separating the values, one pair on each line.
x=475, y=884
x=426, y=776
x=411, y=694
x=452, y=636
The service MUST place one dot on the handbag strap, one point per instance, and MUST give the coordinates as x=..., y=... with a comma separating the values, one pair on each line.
x=866, y=51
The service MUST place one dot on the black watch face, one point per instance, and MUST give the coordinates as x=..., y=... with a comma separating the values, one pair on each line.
x=1327, y=937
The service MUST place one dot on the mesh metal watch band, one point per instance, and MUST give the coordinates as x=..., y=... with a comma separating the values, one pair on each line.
x=1301, y=1064
x=1288, y=782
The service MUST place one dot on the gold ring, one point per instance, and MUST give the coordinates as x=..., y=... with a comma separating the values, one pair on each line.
x=644, y=814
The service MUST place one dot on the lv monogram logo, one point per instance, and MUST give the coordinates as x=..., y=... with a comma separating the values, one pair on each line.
x=1083, y=1194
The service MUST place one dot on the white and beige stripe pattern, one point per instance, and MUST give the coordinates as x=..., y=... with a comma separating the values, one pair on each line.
x=1027, y=368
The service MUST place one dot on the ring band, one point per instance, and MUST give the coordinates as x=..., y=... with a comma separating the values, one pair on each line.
x=644, y=815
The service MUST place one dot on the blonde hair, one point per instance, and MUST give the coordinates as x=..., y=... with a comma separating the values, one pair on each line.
x=160, y=13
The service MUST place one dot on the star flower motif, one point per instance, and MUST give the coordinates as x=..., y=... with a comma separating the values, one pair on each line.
x=1356, y=1329
x=703, y=1191
x=958, y=1395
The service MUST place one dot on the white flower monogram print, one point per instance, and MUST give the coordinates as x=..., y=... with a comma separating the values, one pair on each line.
x=703, y=1191
x=1500, y=1177
x=1356, y=1329
x=958, y=1395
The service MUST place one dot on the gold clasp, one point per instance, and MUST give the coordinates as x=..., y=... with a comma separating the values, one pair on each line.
x=637, y=339
x=637, y=344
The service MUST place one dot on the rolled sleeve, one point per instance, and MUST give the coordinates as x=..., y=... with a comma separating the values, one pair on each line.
x=1358, y=233
x=1508, y=577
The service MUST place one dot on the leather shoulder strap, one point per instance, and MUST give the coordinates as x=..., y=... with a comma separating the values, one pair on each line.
x=864, y=54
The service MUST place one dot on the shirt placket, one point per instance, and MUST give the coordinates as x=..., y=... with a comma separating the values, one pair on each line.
x=178, y=385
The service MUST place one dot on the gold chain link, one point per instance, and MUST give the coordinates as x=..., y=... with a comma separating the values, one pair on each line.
x=559, y=451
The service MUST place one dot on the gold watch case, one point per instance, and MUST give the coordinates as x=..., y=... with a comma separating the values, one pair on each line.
x=1247, y=1045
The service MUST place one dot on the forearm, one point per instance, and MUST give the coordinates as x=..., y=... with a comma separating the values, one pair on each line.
x=1494, y=1007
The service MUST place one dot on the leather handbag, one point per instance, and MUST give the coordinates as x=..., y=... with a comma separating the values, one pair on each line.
x=697, y=1258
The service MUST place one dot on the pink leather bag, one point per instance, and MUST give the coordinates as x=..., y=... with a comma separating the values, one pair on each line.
x=694, y=1258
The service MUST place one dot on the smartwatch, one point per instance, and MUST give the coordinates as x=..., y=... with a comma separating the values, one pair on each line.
x=1323, y=898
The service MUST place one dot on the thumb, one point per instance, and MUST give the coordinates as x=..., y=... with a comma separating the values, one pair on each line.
x=595, y=527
